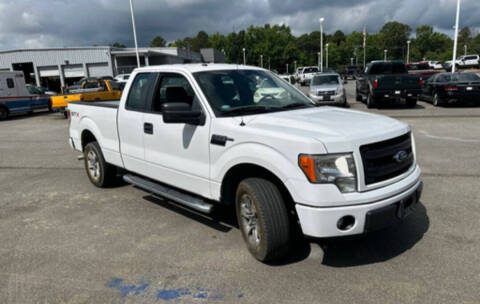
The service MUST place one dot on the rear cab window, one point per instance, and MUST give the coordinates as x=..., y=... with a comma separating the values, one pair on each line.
x=10, y=83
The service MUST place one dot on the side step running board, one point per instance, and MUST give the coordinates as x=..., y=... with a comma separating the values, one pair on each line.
x=190, y=201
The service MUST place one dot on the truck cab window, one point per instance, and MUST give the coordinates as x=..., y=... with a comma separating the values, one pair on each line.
x=173, y=88
x=139, y=92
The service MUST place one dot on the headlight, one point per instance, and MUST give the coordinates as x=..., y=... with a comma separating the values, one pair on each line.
x=311, y=92
x=337, y=169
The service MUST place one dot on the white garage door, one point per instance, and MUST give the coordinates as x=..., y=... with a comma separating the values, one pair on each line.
x=99, y=69
x=72, y=71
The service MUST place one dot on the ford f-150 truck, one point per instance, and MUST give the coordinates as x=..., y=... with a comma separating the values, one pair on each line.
x=197, y=135
x=388, y=82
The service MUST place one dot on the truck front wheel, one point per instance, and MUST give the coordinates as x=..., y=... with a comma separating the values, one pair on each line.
x=263, y=219
x=100, y=173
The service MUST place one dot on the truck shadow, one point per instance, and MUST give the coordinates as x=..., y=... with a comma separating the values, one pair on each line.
x=378, y=246
x=22, y=116
x=337, y=252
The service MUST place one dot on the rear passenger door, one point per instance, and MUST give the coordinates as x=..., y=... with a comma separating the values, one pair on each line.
x=178, y=153
x=131, y=124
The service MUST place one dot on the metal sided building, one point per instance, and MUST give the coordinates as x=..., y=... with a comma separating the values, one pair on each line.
x=54, y=68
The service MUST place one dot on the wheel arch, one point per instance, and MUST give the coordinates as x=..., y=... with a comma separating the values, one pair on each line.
x=87, y=137
x=241, y=171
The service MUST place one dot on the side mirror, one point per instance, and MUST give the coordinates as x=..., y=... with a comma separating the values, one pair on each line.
x=181, y=112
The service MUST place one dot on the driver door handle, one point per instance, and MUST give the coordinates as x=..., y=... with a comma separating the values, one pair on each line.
x=148, y=128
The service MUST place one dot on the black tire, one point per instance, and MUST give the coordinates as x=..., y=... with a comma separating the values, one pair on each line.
x=370, y=101
x=105, y=174
x=3, y=113
x=437, y=101
x=271, y=219
x=411, y=103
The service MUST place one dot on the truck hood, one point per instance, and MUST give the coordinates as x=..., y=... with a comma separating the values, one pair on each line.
x=338, y=129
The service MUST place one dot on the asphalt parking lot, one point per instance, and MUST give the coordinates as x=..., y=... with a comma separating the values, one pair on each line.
x=65, y=241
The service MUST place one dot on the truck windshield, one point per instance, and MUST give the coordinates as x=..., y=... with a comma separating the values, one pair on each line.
x=242, y=92
x=322, y=80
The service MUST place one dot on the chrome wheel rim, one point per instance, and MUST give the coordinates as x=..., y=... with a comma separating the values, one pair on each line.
x=435, y=100
x=248, y=213
x=93, y=165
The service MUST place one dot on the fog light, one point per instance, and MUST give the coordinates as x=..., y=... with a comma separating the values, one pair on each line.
x=346, y=223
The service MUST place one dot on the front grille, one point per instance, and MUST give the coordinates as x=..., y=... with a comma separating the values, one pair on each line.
x=322, y=93
x=381, y=160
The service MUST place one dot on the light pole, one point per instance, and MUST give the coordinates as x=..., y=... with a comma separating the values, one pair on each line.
x=408, y=51
x=326, y=56
x=321, y=43
x=244, y=58
x=287, y=69
x=385, y=55
x=261, y=61
x=134, y=33
x=465, y=49
x=455, y=43
x=295, y=66
x=318, y=58
x=351, y=61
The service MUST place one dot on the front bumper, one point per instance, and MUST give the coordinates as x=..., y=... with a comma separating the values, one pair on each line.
x=321, y=222
x=331, y=98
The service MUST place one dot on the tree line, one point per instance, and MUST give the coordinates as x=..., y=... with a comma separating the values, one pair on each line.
x=279, y=47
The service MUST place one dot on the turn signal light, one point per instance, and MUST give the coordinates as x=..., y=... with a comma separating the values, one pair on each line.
x=308, y=166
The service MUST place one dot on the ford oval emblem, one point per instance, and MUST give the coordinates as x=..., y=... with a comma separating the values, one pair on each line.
x=400, y=156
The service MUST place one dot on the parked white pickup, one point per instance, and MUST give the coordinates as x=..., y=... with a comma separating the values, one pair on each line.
x=202, y=135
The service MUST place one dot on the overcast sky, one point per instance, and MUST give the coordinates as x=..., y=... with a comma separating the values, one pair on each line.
x=57, y=23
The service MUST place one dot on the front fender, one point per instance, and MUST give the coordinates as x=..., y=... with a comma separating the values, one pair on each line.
x=256, y=154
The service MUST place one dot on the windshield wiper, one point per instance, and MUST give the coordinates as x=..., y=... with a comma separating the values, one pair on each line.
x=297, y=105
x=246, y=110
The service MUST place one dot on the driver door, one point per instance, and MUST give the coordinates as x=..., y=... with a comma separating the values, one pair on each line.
x=177, y=153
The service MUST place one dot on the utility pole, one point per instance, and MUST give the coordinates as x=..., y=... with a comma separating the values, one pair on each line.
x=326, y=61
x=408, y=51
x=385, y=55
x=134, y=33
x=287, y=68
x=321, y=43
x=244, y=58
x=455, y=43
x=465, y=49
x=261, y=61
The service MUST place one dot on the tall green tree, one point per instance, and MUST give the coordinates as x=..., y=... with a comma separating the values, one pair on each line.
x=158, y=41
x=395, y=37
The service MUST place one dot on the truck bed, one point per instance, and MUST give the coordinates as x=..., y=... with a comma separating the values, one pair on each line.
x=105, y=104
x=101, y=116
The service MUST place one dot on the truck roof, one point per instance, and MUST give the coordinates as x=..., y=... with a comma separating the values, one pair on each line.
x=196, y=67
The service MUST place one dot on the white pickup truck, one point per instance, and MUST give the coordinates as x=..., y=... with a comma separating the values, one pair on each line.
x=202, y=135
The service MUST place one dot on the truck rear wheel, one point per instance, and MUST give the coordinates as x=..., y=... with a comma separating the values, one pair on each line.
x=411, y=103
x=263, y=219
x=3, y=113
x=100, y=173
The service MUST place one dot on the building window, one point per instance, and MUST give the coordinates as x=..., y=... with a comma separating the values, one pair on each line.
x=10, y=83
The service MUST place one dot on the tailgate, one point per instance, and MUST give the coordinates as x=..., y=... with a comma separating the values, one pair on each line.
x=400, y=82
x=61, y=101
